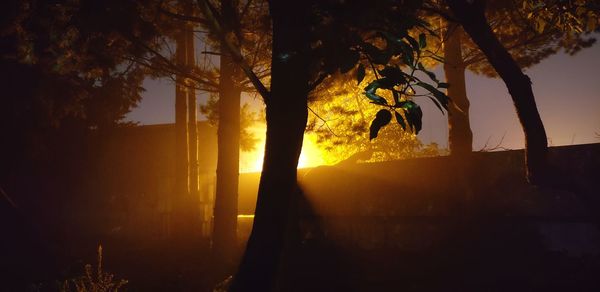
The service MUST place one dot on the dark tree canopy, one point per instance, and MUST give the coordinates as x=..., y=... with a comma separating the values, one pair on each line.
x=64, y=65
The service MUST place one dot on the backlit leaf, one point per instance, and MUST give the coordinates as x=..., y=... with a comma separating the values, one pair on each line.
x=375, y=98
x=422, y=41
x=407, y=54
x=437, y=104
x=429, y=73
x=440, y=96
x=382, y=118
x=443, y=85
x=413, y=43
x=394, y=74
x=360, y=73
x=418, y=122
x=400, y=120
x=414, y=116
x=376, y=55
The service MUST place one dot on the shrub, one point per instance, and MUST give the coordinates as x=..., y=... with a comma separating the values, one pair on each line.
x=101, y=281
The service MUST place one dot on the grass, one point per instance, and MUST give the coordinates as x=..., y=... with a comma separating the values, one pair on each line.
x=93, y=280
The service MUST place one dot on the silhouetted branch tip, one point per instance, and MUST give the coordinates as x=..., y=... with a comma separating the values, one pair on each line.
x=323, y=120
x=498, y=146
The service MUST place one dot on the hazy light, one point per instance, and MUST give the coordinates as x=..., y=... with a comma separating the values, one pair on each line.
x=246, y=216
x=311, y=155
x=258, y=162
x=252, y=161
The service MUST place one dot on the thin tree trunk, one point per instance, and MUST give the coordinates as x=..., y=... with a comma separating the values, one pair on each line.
x=181, y=186
x=193, y=132
x=460, y=137
x=226, y=201
x=471, y=14
x=286, y=110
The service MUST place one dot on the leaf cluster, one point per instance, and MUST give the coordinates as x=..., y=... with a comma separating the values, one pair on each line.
x=341, y=129
x=401, y=84
x=572, y=17
x=530, y=30
x=349, y=37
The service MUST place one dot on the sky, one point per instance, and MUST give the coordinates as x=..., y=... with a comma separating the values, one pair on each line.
x=566, y=88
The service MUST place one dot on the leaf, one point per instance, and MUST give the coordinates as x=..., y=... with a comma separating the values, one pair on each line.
x=387, y=83
x=407, y=54
x=413, y=43
x=372, y=86
x=396, y=95
x=408, y=114
x=360, y=73
x=394, y=74
x=414, y=116
x=437, y=104
x=422, y=41
x=443, y=85
x=400, y=120
x=375, y=98
x=418, y=115
x=429, y=73
x=440, y=96
x=423, y=24
x=376, y=55
x=384, y=82
x=382, y=118
x=391, y=39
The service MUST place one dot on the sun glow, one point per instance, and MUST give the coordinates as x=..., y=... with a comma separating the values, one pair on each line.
x=258, y=161
x=311, y=155
x=252, y=161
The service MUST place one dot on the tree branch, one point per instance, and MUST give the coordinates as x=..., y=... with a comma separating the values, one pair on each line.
x=323, y=120
x=436, y=10
x=165, y=65
x=211, y=53
x=215, y=24
x=478, y=56
x=183, y=17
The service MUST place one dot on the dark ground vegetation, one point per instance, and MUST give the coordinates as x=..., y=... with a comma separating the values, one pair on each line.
x=426, y=224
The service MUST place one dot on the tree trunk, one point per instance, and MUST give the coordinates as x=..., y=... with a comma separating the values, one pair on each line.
x=460, y=137
x=471, y=15
x=194, y=198
x=286, y=115
x=226, y=201
x=181, y=187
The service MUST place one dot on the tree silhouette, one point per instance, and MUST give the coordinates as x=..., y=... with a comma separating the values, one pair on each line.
x=519, y=33
x=472, y=18
x=68, y=75
x=286, y=106
x=226, y=198
x=65, y=68
x=182, y=150
x=223, y=107
x=192, y=105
